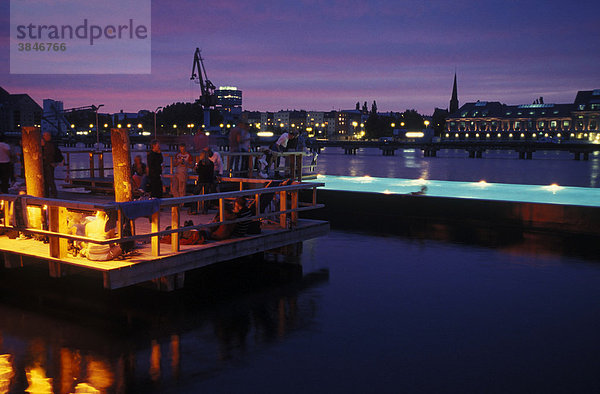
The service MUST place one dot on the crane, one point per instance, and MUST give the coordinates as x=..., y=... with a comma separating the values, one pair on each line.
x=207, y=98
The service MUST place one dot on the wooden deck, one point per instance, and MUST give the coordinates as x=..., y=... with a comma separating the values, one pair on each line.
x=164, y=264
x=144, y=267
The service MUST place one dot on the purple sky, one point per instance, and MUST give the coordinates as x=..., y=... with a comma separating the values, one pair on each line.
x=329, y=54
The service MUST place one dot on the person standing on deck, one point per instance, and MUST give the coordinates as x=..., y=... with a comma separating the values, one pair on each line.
x=5, y=168
x=217, y=161
x=183, y=162
x=281, y=145
x=155, y=164
x=51, y=157
x=206, y=178
x=245, y=139
x=234, y=145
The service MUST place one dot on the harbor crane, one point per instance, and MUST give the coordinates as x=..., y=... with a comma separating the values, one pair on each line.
x=207, y=99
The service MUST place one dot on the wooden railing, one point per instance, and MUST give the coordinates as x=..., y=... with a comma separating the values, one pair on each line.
x=296, y=165
x=54, y=215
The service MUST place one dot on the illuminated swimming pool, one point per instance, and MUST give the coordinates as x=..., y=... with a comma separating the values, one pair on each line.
x=550, y=194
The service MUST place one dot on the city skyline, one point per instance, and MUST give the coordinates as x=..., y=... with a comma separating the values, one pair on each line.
x=318, y=55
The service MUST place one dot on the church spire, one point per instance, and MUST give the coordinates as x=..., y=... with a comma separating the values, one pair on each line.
x=454, y=100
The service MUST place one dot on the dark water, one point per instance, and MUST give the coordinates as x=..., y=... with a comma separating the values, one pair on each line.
x=367, y=313
x=499, y=166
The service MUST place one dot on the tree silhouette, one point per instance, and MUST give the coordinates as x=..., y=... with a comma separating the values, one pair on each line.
x=374, y=108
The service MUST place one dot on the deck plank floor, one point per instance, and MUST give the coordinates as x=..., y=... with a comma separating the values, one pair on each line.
x=143, y=266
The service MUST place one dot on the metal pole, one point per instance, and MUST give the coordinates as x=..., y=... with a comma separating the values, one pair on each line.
x=97, y=126
x=155, y=111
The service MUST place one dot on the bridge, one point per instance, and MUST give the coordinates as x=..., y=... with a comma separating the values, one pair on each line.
x=475, y=149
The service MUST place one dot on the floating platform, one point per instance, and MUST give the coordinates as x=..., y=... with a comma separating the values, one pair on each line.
x=400, y=205
x=282, y=231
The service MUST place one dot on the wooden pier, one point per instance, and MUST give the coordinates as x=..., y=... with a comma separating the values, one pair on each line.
x=165, y=269
x=96, y=176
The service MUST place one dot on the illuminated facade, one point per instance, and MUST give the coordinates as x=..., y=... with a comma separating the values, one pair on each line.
x=229, y=103
x=530, y=121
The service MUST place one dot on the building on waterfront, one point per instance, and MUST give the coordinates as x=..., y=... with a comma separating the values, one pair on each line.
x=229, y=103
x=492, y=119
x=267, y=121
x=18, y=110
x=315, y=124
x=54, y=119
x=253, y=118
x=290, y=120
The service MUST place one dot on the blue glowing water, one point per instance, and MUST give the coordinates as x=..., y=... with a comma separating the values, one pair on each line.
x=551, y=194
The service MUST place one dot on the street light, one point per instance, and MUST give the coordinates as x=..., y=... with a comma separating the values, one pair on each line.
x=155, y=111
x=97, y=128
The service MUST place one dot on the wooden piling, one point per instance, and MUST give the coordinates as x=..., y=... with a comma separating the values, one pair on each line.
x=121, y=157
x=31, y=142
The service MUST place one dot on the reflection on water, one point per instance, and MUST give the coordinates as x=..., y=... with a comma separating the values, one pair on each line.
x=497, y=166
x=138, y=340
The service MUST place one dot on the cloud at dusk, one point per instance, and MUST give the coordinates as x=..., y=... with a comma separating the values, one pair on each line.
x=323, y=55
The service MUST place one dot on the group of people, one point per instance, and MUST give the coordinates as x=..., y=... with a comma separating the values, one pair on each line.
x=148, y=178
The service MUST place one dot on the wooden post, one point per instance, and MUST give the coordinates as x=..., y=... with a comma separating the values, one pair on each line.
x=155, y=241
x=31, y=143
x=221, y=210
x=250, y=166
x=101, y=164
x=91, y=164
x=174, y=226
x=121, y=157
x=292, y=165
x=299, y=167
x=57, y=218
x=68, y=166
x=283, y=207
x=294, y=214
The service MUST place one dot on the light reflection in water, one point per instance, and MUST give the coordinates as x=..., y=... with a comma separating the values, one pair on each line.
x=6, y=372
x=37, y=380
x=62, y=357
x=155, y=361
